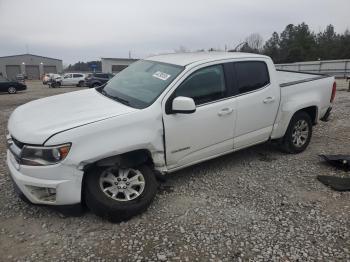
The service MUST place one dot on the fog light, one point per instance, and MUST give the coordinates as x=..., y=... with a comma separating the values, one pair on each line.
x=43, y=193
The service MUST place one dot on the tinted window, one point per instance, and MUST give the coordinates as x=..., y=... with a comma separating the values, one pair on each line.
x=3, y=79
x=100, y=75
x=251, y=75
x=77, y=75
x=205, y=85
x=118, y=68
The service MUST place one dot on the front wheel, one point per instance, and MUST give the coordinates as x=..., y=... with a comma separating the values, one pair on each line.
x=118, y=193
x=298, y=134
x=12, y=90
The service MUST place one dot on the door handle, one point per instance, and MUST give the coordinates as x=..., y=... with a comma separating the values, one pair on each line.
x=269, y=99
x=225, y=111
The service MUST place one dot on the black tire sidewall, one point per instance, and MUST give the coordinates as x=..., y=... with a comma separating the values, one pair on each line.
x=117, y=211
x=288, y=140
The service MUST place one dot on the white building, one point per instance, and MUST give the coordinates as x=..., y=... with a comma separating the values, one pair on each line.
x=115, y=65
x=33, y=66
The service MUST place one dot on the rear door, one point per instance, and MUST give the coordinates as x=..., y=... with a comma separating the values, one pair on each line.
x=207, y=132
x=77, y=78
x=67, y=79
x=257, y=102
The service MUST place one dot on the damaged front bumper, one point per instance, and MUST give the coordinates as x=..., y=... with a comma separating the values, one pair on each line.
x=39, y=185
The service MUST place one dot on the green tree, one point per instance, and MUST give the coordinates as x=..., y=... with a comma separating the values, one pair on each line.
x=328, y=44
x=272, y=48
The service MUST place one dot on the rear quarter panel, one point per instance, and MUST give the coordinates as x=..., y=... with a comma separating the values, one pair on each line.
x=296, y=97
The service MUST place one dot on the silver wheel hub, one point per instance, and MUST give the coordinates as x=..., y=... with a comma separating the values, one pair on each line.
x=12, y=90
x=122, y=184
x=300, y=133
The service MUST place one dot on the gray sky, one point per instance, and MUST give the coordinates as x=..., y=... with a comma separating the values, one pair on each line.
x=90, y=29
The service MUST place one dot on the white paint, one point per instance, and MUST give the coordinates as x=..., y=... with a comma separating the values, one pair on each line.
x=99, y=127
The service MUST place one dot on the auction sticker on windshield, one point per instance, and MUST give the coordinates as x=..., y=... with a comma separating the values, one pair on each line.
x=161, y=75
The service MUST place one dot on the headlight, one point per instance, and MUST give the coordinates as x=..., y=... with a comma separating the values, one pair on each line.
x=45, y=155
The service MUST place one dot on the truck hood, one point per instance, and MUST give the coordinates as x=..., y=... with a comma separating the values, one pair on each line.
x=36, y=121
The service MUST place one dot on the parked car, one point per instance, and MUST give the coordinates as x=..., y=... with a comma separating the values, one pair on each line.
x=97, y=79
x=49, y=77
x=11, y=87
x=71, y=79
x=155, y=117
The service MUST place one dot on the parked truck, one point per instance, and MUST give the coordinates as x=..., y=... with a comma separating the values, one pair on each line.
x=157, y=116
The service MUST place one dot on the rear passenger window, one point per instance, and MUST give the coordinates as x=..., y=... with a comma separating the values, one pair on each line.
x=205, y=85
x=77, y=75
x=251, y=75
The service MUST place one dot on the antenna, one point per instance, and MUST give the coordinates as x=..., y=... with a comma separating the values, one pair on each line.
x=129, y=54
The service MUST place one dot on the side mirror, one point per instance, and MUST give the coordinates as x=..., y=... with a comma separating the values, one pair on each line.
x=183, y=105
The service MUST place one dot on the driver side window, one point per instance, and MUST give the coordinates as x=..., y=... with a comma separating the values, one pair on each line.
x=205, y=85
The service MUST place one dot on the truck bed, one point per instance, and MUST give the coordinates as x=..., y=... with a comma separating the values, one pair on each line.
x=287, y=78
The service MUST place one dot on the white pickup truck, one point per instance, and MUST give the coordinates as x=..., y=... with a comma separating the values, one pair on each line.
x=157, y=116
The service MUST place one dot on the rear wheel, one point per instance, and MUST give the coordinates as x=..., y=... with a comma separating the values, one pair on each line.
x=298, y=134
x=81, y=84
x=12, y=90
x=118, y=193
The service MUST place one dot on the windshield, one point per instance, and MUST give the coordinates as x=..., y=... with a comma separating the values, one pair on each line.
x=141, y=83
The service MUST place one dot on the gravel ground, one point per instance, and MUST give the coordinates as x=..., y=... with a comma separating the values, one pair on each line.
x=257, y=204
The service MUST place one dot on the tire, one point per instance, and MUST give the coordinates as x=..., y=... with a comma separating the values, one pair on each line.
x=119, y=209
x=12, y=90
x=298, y=134
x=55, y=84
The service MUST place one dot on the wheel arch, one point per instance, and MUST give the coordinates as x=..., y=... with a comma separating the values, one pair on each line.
x=312, y=111
x=286, y=117
x=131, y=158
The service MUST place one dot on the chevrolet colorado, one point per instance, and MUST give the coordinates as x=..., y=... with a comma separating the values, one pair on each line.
x=157, y=116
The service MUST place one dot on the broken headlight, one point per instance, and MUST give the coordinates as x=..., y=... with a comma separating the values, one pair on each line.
x=44, y=155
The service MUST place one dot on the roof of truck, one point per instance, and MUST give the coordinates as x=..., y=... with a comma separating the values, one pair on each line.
x=184, y=59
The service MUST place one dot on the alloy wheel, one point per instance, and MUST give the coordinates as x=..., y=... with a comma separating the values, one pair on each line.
x=300, y=133
x=12, y=90
x=122, y=184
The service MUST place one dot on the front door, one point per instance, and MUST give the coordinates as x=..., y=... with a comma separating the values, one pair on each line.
x=207, y=132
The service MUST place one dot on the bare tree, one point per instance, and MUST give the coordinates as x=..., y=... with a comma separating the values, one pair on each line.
x=255, y=41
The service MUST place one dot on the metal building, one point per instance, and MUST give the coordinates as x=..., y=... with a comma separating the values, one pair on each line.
x=33, y=66
x=115, y=65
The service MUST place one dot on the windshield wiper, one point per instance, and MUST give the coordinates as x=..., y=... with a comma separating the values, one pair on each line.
x=116, y=98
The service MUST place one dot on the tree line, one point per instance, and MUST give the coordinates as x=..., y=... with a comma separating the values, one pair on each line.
x=297, y=43
x=84, y=67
